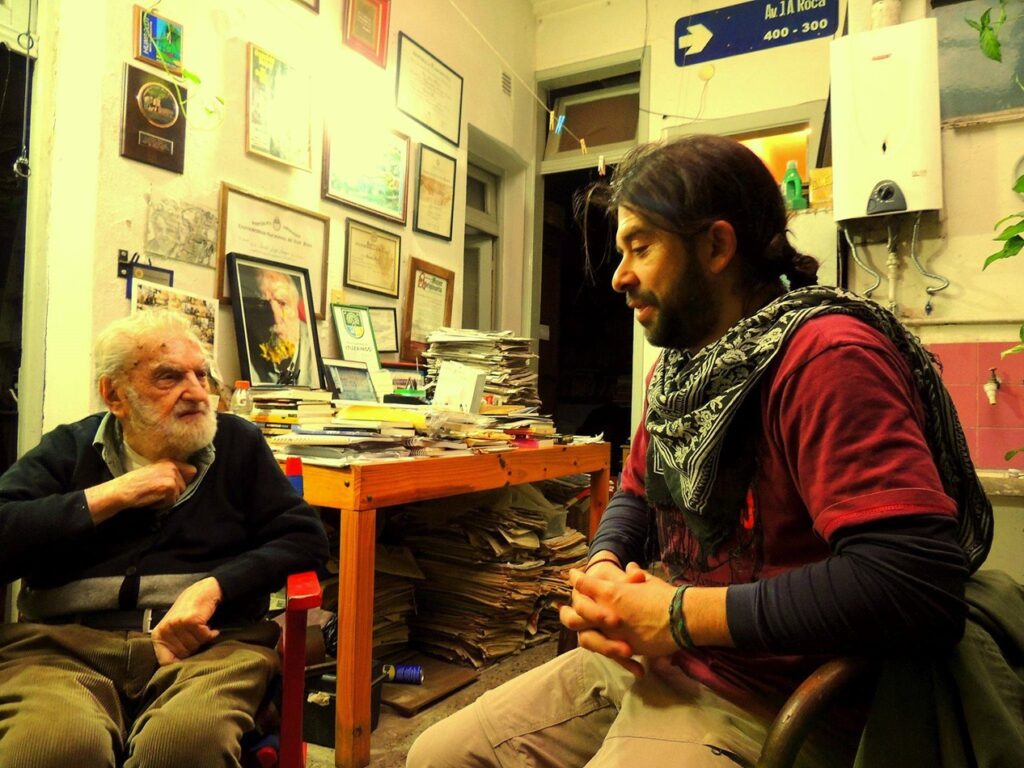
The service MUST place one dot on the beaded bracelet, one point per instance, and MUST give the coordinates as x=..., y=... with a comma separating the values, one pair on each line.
x=677, y=619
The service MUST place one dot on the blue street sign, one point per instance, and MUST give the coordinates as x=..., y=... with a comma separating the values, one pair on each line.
x=752, y=26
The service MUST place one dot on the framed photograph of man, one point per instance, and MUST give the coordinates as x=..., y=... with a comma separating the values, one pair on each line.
x=275, y=325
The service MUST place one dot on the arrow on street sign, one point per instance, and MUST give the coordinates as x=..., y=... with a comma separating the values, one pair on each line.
x=696, y=39
x=754, y=25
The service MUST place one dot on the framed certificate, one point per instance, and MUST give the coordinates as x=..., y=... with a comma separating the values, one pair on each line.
x=428, y=305
x=372, y=257
x=355, y=334
x=277, y=110
x=370, y=173
x=271, y=229
x=435, y=194
x=428, y=90
x=366, y=28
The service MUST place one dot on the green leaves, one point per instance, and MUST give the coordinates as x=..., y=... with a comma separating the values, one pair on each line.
x=1012, y=236
x=988, y=32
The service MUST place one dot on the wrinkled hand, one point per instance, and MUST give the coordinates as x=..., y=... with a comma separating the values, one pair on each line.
x=184, y=629
x=158, y=484
x=621, y=617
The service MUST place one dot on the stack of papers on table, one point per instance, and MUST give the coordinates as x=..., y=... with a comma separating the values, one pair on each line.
x=505, y=358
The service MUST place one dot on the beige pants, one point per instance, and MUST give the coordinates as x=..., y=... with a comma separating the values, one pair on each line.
x=582, y=709
x=74, y=696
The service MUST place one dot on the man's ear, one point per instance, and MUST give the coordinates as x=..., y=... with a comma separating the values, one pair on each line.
x=113, y=397
x=722, y=239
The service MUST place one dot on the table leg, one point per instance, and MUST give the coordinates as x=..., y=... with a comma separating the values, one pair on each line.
x=355, y=637
x=598, y=499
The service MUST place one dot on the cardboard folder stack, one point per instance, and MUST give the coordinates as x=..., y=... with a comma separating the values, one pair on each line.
x=493, y=561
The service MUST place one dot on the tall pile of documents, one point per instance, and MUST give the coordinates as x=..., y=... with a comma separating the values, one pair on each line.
x=505, y=358
x=493, y=563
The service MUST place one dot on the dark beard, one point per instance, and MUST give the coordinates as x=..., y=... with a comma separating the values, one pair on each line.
x=687, y=314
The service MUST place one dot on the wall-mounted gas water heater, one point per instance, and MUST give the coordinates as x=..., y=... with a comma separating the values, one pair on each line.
x=886, y=151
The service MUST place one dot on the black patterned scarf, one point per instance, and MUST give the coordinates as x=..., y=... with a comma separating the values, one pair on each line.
x=693, y=399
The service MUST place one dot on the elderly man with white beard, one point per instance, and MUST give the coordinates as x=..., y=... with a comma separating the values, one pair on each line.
x=148, y=539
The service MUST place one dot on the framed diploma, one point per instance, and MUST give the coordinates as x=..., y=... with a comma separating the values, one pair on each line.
x=370, y=173
x=372, y=257
x=152, y=123
x=355, y=334
x=366, y=28
x=428, y=90
x=277, y=110
x=435, y=194
x=157, y=40
x=385, y=328
x=428, y=305
x=270, y=229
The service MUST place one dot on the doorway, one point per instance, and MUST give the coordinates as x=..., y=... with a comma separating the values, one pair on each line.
x=586, y=361
x=13, y=198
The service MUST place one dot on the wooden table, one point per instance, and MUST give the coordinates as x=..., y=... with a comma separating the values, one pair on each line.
x=359, y=491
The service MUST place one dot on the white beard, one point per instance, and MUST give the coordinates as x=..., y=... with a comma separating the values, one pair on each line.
x=174, y=438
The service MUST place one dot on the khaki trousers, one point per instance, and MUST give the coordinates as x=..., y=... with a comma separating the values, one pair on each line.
x=581, y=709
x=75, y=696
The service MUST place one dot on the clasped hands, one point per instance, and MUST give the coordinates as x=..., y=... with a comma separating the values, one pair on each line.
x=620, y=613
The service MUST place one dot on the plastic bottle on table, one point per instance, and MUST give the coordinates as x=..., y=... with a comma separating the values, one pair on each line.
x=241, y=399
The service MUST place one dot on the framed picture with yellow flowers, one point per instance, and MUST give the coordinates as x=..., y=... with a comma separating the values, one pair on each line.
x=275, y=325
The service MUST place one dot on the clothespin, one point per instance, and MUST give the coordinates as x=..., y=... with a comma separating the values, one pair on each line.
x=551, y=120
x=561, y=122
x=583, y=146
x=601, y=169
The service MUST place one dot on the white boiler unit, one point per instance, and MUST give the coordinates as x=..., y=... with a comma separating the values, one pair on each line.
x=886, y=151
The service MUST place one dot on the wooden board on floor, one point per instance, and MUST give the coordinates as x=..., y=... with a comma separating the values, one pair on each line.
x=440, y=678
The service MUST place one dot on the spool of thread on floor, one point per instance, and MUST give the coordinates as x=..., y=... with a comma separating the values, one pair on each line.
x=410, y=674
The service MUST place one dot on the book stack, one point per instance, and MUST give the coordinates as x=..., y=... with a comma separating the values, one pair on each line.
x=277, y=409
x=506, y=360
x=354, y=433
x=494, y=563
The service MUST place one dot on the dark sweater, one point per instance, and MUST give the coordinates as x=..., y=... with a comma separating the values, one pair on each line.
x=243, y=523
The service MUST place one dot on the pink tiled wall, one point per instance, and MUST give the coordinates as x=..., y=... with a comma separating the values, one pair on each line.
x=991, y=430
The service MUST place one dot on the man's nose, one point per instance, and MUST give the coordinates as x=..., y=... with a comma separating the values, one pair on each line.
x=195, y=388
x=623, y=278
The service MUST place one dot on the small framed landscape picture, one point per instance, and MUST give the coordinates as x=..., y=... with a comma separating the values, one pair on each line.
x=157, y=40
x=369, y=172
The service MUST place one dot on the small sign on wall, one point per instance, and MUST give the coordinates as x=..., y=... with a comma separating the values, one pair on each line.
x=753, y=26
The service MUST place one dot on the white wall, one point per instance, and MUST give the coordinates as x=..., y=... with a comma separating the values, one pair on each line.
x=85, y=201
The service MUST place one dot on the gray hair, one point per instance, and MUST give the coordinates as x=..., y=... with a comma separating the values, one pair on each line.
x=118, y=343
